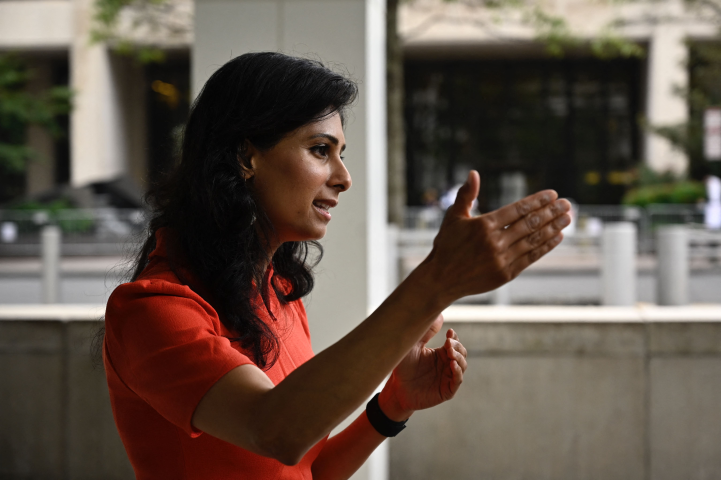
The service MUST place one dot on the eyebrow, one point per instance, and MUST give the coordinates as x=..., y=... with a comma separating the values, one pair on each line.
x=330, y=138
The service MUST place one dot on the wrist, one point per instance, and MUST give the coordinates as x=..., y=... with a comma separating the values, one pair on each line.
x=391, y=407
x=434, y=293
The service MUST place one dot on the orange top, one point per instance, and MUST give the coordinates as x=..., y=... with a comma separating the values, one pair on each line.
x=164, y=348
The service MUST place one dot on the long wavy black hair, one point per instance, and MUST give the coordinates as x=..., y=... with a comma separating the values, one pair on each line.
x=209, y=209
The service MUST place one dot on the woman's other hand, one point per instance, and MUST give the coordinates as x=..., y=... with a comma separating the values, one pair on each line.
x=474, y=255
x=426, y=376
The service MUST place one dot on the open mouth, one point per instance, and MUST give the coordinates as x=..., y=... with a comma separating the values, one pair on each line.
x=323, y=208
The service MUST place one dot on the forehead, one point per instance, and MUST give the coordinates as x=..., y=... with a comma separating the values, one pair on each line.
x=331, y=125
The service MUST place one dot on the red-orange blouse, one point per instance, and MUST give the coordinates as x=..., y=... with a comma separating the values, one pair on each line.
x=164, y=348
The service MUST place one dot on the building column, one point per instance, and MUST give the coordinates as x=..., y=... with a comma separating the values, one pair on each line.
x=350, y=35
x=667, y=71
x=96, y=127
x=40, y=173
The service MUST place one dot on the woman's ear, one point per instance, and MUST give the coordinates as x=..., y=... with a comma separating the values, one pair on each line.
x=246, y=157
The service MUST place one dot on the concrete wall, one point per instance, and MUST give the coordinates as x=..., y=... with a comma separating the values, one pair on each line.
x=55, y=417
x=550, y=393
x=623, y=396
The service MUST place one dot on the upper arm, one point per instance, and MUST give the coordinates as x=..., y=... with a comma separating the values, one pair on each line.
x=230, y=409
x=167, y=348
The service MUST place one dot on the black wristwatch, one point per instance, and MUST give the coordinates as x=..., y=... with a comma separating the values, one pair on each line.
x=383, y=425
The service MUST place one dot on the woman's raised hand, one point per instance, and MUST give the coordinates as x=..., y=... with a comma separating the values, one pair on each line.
x=426, y=376
x=473, y=255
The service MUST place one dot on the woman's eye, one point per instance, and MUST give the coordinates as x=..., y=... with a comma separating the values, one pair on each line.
x=321, y=150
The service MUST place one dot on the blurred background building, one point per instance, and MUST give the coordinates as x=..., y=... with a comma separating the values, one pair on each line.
x=481, y=91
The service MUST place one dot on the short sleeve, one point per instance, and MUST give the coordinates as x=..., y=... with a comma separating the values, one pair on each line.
x=166, y=345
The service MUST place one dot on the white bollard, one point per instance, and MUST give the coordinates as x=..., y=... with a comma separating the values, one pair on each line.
x=51, y=237
x=618, y=264
x=672, y=269
x=502, y=295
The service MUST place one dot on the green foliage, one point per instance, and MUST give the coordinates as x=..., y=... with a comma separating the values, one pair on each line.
x=552, y=31
x=664, y=187
x=20, y=109
x=52, y=207
x=146, y=15
x=59, y=212
x=609, y=45
x=684, y=192
x=557, y=36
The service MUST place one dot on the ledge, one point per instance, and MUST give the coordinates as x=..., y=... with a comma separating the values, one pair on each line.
x=52, y=312
x=459, y=313
x=641, y=313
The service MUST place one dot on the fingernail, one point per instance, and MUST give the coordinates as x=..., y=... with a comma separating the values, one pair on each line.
x=564, y=221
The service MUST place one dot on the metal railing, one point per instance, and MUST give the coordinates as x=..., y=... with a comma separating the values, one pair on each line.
x=107, y=231
x=97, y=231
x=587, y=226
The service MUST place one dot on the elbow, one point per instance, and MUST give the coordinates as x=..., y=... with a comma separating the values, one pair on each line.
x=290, y=459
x=283, y=448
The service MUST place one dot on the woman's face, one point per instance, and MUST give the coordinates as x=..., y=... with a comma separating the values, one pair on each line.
x=299, y=180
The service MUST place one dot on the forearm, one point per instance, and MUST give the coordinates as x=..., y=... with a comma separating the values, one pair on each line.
x=321, y=393
x=344, y=453
x=470, y=255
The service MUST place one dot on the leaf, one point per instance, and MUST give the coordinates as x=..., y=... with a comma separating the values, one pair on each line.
x=19, y=109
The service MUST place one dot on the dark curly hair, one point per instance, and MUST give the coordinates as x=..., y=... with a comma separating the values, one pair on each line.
x=208, y=206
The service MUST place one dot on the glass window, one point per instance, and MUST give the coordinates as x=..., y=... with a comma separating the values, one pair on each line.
x=564, y=124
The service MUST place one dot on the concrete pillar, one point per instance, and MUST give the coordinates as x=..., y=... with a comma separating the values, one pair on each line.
x=96, y=127
x=348, y=34
x=50, y=252
x=672, y=270
x=502, y=295
x=40, y=173
x=618, y=264
x=667, y=70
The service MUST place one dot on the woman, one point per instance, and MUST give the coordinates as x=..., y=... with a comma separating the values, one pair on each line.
x=207, y=350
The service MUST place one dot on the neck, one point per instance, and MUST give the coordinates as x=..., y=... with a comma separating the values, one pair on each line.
x=272, y=244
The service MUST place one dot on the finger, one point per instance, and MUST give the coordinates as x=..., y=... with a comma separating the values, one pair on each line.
x=454, y=354
x=510, y=213
x=453, y=335
x=466, y=195
x=538, y=238
x=520, y=264
x=457, y=379
x=526, y=226
x=458, y=346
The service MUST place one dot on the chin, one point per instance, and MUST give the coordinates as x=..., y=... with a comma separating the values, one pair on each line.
x=318, y=234
x=309, y=235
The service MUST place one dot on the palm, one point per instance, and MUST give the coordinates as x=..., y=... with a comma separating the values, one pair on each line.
x=425, y=377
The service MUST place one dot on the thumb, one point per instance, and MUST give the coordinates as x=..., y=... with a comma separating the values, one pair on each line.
x=466, y=195
x=433, y=329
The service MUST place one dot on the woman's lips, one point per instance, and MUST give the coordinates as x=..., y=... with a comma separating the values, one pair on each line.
x=323, y=212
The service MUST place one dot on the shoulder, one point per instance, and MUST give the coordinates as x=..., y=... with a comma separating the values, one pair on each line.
x=158, y=304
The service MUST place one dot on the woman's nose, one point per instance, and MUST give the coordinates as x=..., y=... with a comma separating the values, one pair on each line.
x=341, y=177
